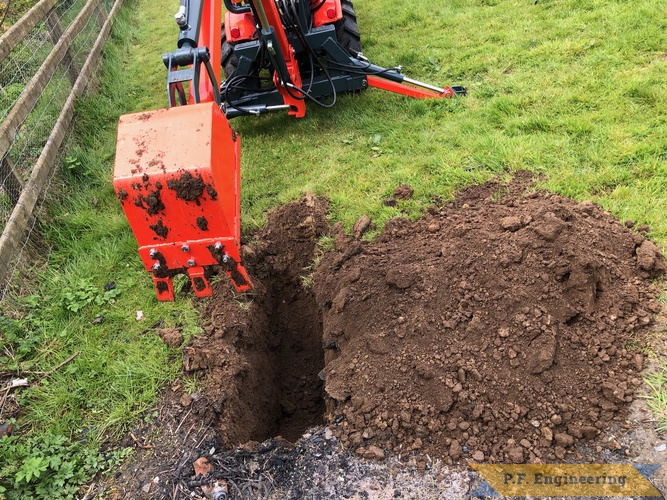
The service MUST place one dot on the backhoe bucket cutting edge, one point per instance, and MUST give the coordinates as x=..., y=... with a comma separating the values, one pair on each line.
x=177, y=176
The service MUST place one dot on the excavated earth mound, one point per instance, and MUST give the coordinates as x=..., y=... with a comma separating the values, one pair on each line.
x=506, y=326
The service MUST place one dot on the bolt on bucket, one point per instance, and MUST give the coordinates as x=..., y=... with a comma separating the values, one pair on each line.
x=177, y=176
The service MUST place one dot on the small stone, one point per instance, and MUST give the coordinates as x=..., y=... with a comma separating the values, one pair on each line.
x=139, y=317
x=547, y=433
x=421, y=431
x=638, y=361
x=478, y=456
x=589, y=432
x=661, y=447
x=515, y=454
x=185, y=400
x=455, y=450
x=355, y=439
x=146, y=488
x=612, y=392
x=541, y=353
x=560, y=452
x=374, y=452
x=361, y=226
x=525, y=443
x=462, y=375
x=504, y=332
x=563, y=439
x=433, y=227
x=511, y=223
x=401, y=277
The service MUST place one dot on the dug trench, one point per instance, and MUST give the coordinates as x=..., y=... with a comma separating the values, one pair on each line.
x=506, y=326
x=263, y=351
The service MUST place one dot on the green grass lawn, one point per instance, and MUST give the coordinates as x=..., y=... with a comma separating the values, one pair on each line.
x=573, y=90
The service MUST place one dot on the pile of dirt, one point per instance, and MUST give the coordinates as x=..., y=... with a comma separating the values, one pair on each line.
x=507, y=325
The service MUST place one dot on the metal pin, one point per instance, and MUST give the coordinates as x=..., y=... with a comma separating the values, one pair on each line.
x=180, y=16
x=152, y=253
x=156, y=266
x=185, y=248
x=218, y=246
x=191, y=262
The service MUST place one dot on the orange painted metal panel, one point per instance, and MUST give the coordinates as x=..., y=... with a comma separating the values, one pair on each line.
x=177, y=175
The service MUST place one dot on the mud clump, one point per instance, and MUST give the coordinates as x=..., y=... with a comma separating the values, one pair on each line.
x=154, y=203
x=492, y=328
x=187, y=186
x=202, y=223
x=506, y=326
x=159, y=228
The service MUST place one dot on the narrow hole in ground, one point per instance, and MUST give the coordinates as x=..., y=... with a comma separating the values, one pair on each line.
x=263, y=351
x=295, y=336
x=277, y=385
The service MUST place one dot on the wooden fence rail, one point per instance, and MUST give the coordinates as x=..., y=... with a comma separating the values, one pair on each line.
x=15, y=232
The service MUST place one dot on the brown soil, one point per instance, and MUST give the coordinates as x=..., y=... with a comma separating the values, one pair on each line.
x=505, y=326
x=187, y=186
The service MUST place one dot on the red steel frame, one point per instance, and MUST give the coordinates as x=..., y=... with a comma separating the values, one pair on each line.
x=399, y=88
x=177, y=176
x=158, y=150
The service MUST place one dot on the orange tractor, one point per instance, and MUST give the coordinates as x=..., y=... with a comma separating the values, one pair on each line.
x=177, y=170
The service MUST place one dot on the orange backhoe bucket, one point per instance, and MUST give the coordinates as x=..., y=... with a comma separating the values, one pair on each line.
x=177, y=175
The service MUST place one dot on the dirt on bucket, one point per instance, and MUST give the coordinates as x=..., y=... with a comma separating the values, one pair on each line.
x=505, y=326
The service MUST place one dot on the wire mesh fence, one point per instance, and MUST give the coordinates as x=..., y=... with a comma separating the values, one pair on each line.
x=48, y=62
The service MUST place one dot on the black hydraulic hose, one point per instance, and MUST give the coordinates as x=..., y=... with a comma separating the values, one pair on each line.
x=313, y=57
x=318, y=6
x=230, y=84
x=358, y=70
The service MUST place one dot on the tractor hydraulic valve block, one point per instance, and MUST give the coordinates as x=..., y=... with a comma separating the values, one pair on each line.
x=177, y=176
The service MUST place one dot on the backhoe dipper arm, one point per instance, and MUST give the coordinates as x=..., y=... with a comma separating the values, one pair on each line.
x=177, y=170
x=198, y=43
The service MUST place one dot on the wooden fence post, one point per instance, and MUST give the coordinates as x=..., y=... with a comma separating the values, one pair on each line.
x=12, y=239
